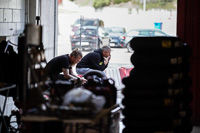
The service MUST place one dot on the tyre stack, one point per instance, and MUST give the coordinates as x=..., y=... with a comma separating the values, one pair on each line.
x=156, y=94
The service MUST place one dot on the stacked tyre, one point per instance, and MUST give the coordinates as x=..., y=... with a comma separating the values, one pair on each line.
x=156, y=94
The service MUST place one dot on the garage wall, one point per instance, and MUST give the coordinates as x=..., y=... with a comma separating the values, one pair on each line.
x=12, y=18
x=47, y=11
x=49, y=21
x=188, y=29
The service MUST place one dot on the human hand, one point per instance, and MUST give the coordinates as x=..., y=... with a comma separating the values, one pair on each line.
x=109, y=57
x=106, y=60
x=83, y=80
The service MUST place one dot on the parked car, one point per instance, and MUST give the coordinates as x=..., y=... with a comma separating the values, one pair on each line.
x=91, y=37
x=126, y=38
x=114, y=33
x=87, y=22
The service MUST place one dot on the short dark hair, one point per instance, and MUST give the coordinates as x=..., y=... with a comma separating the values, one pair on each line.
x=76, y=52
x=106, y=48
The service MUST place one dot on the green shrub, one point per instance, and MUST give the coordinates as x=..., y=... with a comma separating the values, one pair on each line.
x=119, y=1
x=101, y=3
x=156, y=4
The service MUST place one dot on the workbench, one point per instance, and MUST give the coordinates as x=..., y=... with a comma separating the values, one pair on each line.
x=101, y=122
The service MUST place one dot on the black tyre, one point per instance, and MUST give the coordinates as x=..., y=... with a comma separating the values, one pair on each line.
x=156, y=43
x=94, y=72
x=148, y=103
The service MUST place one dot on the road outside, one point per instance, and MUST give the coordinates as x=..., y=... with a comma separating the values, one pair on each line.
x=68, y=12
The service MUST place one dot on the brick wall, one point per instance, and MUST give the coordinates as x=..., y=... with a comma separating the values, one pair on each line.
x=12, y=21
x=12, y=18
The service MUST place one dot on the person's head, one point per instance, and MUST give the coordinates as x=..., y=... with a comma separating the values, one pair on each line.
x=106, y=51
x=75, y=56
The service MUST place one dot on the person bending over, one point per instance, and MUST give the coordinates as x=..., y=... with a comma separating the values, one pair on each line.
x=60, y=67
x=97, y=60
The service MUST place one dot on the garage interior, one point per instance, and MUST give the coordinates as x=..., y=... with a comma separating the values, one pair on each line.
x=15, y=15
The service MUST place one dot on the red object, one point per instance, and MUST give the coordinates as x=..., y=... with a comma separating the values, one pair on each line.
x=80, y=76
x=59, y=2
x=124, y=37
x=124, y=72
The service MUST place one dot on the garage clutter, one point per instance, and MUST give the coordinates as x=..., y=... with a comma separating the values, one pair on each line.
x=37, y=96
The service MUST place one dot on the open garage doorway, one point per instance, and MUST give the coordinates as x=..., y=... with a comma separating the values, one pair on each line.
x=127, y=15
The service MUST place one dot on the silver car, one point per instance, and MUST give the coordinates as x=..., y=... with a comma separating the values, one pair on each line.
x=126, y=38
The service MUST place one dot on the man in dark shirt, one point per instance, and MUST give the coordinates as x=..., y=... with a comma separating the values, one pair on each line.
x=60, y=67
x=97, y=60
